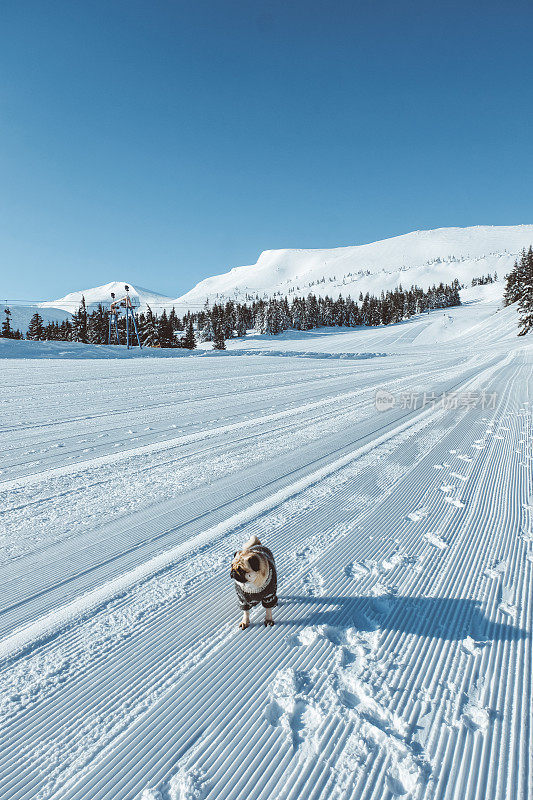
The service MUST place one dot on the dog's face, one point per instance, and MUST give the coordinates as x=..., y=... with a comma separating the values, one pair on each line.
x=246, y=567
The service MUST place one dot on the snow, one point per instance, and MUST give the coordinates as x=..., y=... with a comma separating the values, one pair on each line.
x=102, y=294
x=423, y=258
x=401, y=650
x=21, y=315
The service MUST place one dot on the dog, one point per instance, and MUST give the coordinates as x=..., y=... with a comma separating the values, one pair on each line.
x=254, y=571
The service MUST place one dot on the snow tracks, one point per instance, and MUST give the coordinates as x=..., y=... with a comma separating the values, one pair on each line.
x=399, y=665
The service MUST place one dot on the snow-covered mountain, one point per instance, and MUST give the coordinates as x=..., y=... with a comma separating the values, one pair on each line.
x=102, y=294
x=421, y=257
x=21, y=315
x=64, y=307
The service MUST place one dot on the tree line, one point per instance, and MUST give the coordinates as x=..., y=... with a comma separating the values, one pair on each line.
x=519, y=289
x=484, y=279
x=222, y=321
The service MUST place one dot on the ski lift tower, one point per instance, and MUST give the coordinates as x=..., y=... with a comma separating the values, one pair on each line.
x=114, y=311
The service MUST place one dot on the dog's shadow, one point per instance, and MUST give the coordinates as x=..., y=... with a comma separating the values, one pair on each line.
x=435, y=617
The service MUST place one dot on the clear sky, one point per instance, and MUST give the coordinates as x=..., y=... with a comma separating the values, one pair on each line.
x=161, y=142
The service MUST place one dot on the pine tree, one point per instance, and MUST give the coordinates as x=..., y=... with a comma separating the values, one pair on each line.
x=149, y=333
x=274, y=318
x=525, y=303
x=230, y=320
x=98, y=326
x=218, y=338
x=189, y=340
x=207, y=333
x=173, y=320
x=7, y=331
x=511, y=292
x=313, y=313
x=525, y=310
x=260, y=318
x=242, y=328
x=79, y=323
x=518, y=278
x=206, y=330
x=165, y=331
x=35, y=328
x=299, y=314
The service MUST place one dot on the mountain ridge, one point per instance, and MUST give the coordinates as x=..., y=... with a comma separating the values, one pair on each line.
x=374, y=266
x=423, y=257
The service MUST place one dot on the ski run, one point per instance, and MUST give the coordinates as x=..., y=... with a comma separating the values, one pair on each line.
x=400, y=662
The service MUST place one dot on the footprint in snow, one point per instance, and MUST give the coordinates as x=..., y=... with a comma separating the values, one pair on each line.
x=454, y=501
x=458, y=476
x=187, y=784
x=392, y=561
x=507, y=605
x=435, y=540
x=447, y=487
x=508, y=610
x=151, y=794
x=475, y=717
x=313, y=583
x=291, y=709
x=496, y=571
x=465, y=458
x=402, y=777
x=306, y=637
x=355, y=570
x=382, y=603
x=470, y=646
x=416, y=516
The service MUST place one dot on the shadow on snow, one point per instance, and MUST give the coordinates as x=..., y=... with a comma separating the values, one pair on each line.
x=435, y=617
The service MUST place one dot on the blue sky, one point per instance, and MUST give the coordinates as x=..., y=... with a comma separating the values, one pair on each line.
x=163, y=142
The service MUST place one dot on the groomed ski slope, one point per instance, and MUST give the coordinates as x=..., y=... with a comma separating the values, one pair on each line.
x=400, y=664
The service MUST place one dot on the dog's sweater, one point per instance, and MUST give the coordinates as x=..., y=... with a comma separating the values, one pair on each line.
x=267, y=593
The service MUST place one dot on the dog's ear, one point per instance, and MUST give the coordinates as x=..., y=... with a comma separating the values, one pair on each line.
x=254, y=563
x=235, y=553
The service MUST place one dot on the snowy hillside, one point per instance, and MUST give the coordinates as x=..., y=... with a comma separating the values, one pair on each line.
x=102, y=294
x=422, y=258
x=21, y=315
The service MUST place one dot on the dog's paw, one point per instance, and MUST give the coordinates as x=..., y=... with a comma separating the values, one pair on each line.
x=269, y=623
x=243, y=625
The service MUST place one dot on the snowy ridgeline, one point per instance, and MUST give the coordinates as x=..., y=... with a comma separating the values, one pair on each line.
x=422, y=258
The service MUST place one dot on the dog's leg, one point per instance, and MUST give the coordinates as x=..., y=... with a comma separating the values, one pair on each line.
x=245, y=620
x=268, y=617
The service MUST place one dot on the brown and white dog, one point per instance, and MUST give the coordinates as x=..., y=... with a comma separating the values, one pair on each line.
x=254, y=571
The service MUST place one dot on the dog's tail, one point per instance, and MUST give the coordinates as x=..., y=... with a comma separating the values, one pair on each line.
x=251, y=542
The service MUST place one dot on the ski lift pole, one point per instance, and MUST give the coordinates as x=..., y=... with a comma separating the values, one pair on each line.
x=113, y=317
x=136, y=331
